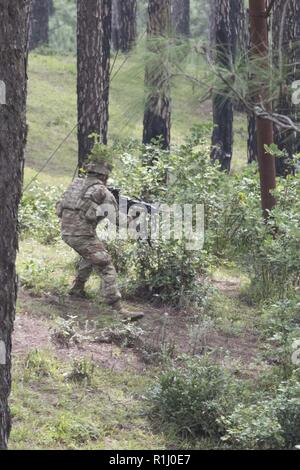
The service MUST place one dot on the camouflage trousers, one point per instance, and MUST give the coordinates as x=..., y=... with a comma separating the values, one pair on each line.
x=94, y=256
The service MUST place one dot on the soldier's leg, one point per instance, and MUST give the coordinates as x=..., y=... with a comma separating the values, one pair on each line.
x=84, y=270
x=110, y=288
x=94, y=255
x=94, y=252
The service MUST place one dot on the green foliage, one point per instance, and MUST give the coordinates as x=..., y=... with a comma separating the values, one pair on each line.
x=123, y=335
x=269, y=253
x=281, y=328
x=65, y=333
x=37, y=216
x=38, y=365
x=268, y=424
x=63, y=27
x=200, y=399
x=82, y=371
x=168, y=270
x=254, y=427
x=192, y=398
x=38, y=276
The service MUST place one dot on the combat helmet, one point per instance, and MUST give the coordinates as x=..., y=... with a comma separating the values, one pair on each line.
x=100, y=160
x=100, y=167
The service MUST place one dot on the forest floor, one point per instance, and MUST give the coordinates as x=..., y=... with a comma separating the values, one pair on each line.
x=82, y=377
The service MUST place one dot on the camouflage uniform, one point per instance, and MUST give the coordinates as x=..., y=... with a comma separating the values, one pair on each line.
x=79, y=220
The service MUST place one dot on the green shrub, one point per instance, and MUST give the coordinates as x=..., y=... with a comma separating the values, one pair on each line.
x=281, y=329
x=37, y=216
x=269, y=253
x=41, y=277
x=253, y=427
x=268, y=424
x=192, y=398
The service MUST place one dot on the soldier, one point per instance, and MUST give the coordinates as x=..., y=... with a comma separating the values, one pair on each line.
x=79, y=214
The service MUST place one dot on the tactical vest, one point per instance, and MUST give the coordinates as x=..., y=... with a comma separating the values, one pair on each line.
x=73, y=199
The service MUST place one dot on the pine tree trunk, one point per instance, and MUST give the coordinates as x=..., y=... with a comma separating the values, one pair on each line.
x=14, y=27
x=124, y=26
x=240, y=38
x=157, y=114
x=39, y=22
x=252, y=139
x=181, y=17
x=286, y=56
x=224, y=41
x=252, y=150
x=93, y=64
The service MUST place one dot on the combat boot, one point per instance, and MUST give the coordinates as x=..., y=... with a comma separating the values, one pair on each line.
x=126, y=316
x=77, y=291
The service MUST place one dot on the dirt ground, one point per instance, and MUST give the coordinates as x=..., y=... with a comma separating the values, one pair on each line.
x=162, y=328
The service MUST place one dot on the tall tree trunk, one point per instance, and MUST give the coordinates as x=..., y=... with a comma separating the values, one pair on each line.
x=14, y=27
x=157, y=114
x=224, y=35
x=181, y=16
x=264, y=127
x=286, y=56
x=93, y=63
x=39, y=22
x=124, y=24
x=252, y=139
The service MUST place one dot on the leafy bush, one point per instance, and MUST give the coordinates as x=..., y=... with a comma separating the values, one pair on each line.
x=269, y=253
x=254, y=427
x=193, y=398
x=41, y=277
x=281, y=329
x=269, y=424
x=37, y=216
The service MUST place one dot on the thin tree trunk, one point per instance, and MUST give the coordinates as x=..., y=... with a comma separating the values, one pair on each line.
x=252, y=139
x=93, y=63
x=39, y=22
x=14, y=27
x=224, y=34
x=124, y=24
x=157, y=114
x=181, y=16
x=286, y=56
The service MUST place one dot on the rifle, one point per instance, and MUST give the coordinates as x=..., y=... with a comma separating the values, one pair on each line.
x=127, y=202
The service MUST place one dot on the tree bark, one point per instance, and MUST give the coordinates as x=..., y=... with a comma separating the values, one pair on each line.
x=39, y=22
x=264, y=128
x=252, y=139
x=225, y=36
x=286, y=57
x=181, y=16
x=14, y=28
x=93, y=72
x=157, y=114
x=124, y=24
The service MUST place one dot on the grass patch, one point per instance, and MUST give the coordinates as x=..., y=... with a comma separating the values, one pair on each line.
x=105, y=413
